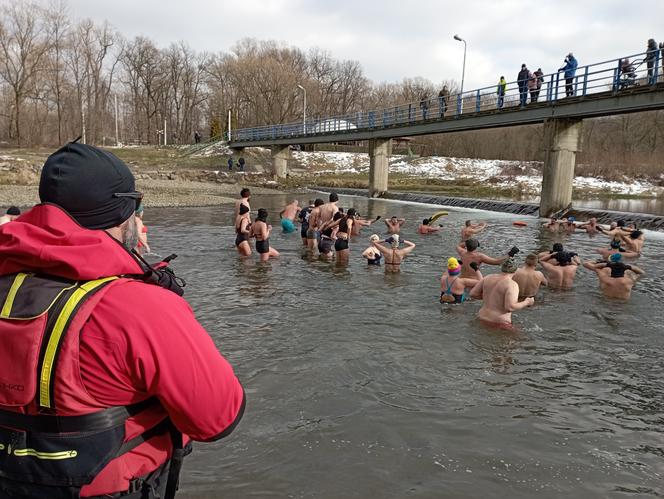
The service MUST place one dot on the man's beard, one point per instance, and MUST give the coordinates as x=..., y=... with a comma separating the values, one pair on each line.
x=130, y=234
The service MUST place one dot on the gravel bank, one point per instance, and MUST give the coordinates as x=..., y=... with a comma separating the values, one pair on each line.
x=157, y=193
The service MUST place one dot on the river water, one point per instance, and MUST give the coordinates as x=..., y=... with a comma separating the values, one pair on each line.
x=360, y=384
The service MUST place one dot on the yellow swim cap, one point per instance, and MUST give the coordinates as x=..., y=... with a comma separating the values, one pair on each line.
x=452, y=263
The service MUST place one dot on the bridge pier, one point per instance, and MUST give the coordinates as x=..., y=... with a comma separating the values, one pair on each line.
x=280, y=157
x=561, y=144
x=379, y=158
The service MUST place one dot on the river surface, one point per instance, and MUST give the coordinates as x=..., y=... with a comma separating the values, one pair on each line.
x=651, y=206
x=360, y=384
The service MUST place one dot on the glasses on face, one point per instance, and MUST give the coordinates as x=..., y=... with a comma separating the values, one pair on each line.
x=137, y=196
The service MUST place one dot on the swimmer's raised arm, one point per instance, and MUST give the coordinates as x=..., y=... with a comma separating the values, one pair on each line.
x=409, y=247
x=492, y=261
x=381, y=248
x=637, y=270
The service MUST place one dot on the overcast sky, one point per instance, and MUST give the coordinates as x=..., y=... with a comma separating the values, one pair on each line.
x=393, y=39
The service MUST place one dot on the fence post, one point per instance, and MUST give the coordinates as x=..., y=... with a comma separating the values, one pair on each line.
x=555, y=97
x=585, y=81
x=616, y=77
x=477, y=102
x=459, y=100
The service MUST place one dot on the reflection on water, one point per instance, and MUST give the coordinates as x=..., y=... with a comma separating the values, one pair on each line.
x=361, y=384
x=653, y=206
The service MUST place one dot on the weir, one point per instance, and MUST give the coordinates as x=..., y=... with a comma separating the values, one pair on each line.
x=642, y=220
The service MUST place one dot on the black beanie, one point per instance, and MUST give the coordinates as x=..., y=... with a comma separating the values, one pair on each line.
x=14, y=211
x=83, y=180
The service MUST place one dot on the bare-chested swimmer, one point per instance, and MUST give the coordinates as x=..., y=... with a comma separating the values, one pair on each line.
x=425, y=228
x=245, y=195
x=361, y=223
x=473, y=259
x=261, y=231
x=529, y=278
x=590, y=227
x=452, y=285
x=329, y=209
x=615, y=246
x=394, y=224
x=500, y=294
x=313, y=232
x=392, y=254
x=288, y=215
x=616, y=279
x=560, y=266
x=469, y=229
x=553, y=225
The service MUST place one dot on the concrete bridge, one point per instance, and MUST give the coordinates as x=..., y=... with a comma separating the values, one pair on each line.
x=603, y=89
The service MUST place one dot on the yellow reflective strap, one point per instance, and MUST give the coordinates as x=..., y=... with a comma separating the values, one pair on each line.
x=54, y=456
x=9, y=301
x=56, y=336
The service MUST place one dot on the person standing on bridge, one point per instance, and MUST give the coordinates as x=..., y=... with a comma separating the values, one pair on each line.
x=532, y=87
x=651, y=58
x=570, y=70
x=444, y=95
x=539, y=79
x=502, y=88
x=424, y=103
x=522, y=81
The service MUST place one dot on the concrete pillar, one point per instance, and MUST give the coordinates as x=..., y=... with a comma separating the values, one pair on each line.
x=561, y=138
x=379, y=157
x=280, y=157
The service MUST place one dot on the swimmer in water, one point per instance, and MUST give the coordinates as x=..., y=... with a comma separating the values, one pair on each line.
x=345, y=227
x=329, y=209
x=243, y=231
x=615, y=246
x=361, y=223
x=328, y=235
x=452, y=286
x=552, y=225
x=616, y=279
x=590, y=227
x=471, y=259
x=392, y=254
x=245, y=195
x=500, y=294
x=288, y=215
x=470, y=229
x=569, y=226
x=303, y=218
x=373, y=254
x=560, y=266
x=635, y=241
x=529, y=278
x=313, y=232
x=261, y=231
x=394, y=225
x=425, y=228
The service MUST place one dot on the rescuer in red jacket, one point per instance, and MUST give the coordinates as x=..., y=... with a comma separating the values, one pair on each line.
x=104, y=377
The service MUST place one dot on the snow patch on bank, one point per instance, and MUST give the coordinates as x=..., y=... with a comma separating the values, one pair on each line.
x=525, y=175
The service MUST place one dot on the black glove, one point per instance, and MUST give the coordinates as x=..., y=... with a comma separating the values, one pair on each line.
x=165, y=278
x=440, y=225
x=474, y=266
x=377, y=218
x=513, y=251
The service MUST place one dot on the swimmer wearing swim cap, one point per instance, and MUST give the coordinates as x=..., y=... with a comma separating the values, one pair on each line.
x=452, y=286
x=392, y=254
x=560, y=266
x=616, y=279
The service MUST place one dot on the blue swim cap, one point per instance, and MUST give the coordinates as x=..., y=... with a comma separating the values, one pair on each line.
x=616, y=257
x=571, y=219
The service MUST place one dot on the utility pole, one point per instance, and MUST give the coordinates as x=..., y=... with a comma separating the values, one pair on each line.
x=229, y=124
x=117, y=135
x=165, y=134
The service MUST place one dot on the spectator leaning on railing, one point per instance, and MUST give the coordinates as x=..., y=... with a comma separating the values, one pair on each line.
x=570, y=70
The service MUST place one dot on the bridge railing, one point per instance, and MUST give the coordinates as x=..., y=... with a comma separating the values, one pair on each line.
x=594, y=80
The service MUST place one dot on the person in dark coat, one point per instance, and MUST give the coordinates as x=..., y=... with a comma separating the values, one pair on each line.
x=443, y=98
x=240, y=163
x=230, y=164
x=522, y=81
x=570, y=70
x=651, y=57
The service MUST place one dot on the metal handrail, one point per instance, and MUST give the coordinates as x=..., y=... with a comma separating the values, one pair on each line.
x=596, y=78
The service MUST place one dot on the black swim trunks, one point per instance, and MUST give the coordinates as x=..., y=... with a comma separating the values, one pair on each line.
x=263, y=246
x=341, y=244
x=240, y=238
x=375, y=260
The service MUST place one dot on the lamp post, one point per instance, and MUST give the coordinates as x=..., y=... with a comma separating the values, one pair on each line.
x=304, y=110
x=463, y=71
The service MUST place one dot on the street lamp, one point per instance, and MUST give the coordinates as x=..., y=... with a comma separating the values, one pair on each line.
x=304, y=110
x=463, y=72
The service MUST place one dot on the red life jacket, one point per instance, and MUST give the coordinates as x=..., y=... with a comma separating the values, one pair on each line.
x=54, y=437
